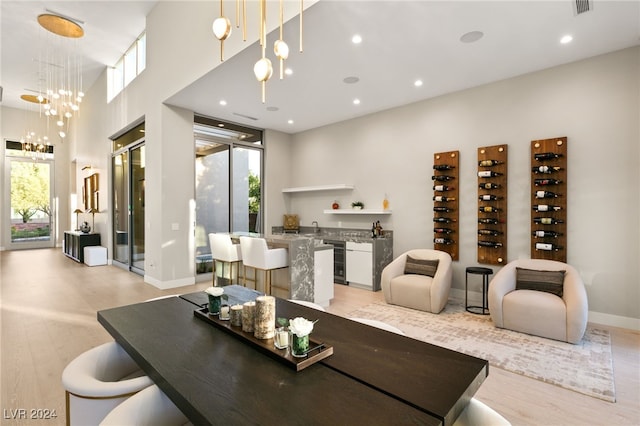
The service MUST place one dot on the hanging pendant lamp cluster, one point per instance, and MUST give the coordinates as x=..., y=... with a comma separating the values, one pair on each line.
x=263, y=68
x=59, y=92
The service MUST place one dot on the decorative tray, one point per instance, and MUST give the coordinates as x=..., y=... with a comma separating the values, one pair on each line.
x=317, y=350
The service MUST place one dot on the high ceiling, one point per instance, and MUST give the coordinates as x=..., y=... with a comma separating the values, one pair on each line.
x=402, y=41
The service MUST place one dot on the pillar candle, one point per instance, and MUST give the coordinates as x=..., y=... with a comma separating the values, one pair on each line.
x=264, y=317
x=248, y=310
x=236, y=315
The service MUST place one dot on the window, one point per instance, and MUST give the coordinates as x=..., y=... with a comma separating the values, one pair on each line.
x=128, y=67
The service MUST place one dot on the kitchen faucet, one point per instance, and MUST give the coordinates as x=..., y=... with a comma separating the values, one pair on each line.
x=315, y=227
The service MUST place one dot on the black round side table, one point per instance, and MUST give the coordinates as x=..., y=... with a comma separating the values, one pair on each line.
x=485, y=272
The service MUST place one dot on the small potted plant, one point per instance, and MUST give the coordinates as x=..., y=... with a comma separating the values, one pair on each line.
x=357, y=205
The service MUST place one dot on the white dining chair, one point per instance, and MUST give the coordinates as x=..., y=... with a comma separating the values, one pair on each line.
x=223, y=250
x=149, y=407
x=379, y=324
x=99, y=379
x=478, y=413
x=257, y=255
x=308, y=304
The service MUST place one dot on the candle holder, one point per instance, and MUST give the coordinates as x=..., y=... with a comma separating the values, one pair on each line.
x=281, y=338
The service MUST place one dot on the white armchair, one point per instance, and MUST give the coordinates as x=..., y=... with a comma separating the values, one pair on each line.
x=418, y=291
x=537, y=312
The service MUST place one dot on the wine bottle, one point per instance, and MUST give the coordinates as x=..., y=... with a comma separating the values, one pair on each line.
x=488, y=209
x=442, y=209
x=488, y=174
x=490, y=244
x=443, y=230
x=442, y=178
x=543, y=234
x=488, y=221
x=546, y=194
x=492, y=232
x=545, y=169
x=546, y=156
x=443, y=241
x=548, y=247
x=547, y=220
x=546, y=208
x=488, y=197
x=443, y=199
x=543, y=182
x=443, y=167
x=443, y=188
x=443, y=219
x=489, y=185
x=489, y=163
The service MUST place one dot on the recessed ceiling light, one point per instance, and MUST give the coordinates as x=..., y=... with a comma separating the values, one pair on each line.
x=471, y=36
x=290, y=121
x=223, y=102
x=272, y=108
x=356, y=101
x=356, y=39
x=417, y=83
x=566, y=39
x=220, y=125
x=351, y=79
x=288, y=71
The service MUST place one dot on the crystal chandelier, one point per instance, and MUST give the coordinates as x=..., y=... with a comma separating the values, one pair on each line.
x=61, y=69
x=263, y=69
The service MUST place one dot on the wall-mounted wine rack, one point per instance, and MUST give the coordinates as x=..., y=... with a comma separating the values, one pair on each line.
x=492, y=204
x=446, y=185
x=549, y=199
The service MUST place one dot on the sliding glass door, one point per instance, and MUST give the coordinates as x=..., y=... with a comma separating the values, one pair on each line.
x=228, y=184
x=128, y=174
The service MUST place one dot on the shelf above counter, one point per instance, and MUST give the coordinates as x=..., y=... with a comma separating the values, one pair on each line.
x=355, y=211
x=334, y=187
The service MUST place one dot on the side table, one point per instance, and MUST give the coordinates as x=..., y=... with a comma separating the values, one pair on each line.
x=485, y=272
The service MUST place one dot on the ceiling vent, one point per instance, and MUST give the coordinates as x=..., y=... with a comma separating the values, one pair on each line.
x=582, y=6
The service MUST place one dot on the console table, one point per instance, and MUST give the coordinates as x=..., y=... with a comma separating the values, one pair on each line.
x=75, y=242
x=373, y=376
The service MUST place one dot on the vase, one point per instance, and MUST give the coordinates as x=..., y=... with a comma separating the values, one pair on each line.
x=214, y=304
x=299, y=345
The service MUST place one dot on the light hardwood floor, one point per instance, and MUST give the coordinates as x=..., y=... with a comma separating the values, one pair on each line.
x=48, y=317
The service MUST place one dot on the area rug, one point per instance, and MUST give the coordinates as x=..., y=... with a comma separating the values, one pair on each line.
x=586, y=367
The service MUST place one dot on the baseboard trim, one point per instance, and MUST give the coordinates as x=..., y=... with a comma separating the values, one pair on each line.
x=629, y=323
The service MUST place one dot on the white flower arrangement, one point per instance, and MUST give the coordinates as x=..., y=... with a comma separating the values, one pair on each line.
x=215, y=291
x=301, y=327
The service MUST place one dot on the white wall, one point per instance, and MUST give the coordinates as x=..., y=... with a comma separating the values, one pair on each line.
x=594, y=103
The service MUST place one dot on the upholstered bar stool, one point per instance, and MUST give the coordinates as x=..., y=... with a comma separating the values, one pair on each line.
x=223, y=250
x=149, y=407
x=257, y=255
x=98, y=380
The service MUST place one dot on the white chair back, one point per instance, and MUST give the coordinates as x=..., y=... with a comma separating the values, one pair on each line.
x=308, y=304
x=150, y=407
x=379, y=324
x=256, y=254
x=222, y=248
x=98, y=380
x=479, y=414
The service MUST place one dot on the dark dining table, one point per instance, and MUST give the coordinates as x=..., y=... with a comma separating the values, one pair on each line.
x=372, y=377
